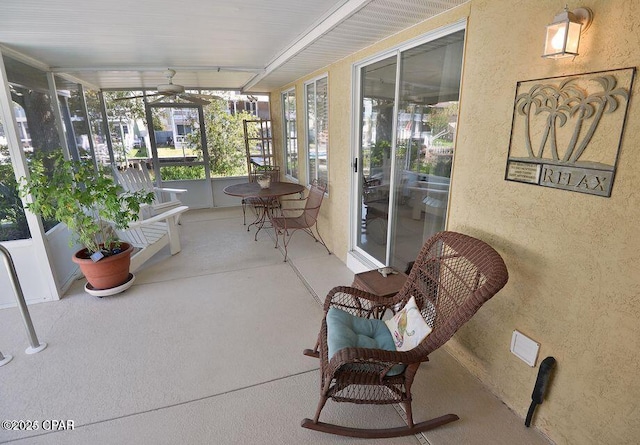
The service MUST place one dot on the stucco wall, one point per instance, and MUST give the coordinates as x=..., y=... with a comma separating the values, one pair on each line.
x=573, y=258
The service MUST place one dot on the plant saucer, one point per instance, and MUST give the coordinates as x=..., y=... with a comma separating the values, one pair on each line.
x=114, y=290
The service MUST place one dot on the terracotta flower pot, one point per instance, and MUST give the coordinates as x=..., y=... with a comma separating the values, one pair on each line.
x=109, y=272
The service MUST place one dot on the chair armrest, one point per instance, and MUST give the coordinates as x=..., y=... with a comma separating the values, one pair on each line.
x=161, y=217
x=294, y=199
x=164, y=193
x=358, y=302
x=170, y=190
x=299, y=209
x=374, y=361
x=292, y=209
x=363, y=355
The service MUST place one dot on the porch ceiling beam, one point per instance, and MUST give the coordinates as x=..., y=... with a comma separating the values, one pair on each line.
x=84, y=69
x=325, y=24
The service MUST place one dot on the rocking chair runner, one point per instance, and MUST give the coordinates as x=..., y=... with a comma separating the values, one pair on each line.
x=452, y=277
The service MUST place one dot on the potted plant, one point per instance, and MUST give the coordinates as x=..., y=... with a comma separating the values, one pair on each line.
x=88, y=201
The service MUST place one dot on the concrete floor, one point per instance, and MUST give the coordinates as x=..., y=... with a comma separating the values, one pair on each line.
x=206, y=347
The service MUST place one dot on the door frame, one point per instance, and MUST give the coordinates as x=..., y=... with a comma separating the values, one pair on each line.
x=203, y=141
x=357, y=259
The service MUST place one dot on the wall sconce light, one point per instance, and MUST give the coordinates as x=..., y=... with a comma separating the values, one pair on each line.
x=563, y=35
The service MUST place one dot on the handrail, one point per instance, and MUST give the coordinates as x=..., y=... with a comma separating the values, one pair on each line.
x=4, y=359
x=36, y=346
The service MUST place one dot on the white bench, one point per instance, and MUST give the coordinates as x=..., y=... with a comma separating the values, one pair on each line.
x=152, y=234
x=133, y=180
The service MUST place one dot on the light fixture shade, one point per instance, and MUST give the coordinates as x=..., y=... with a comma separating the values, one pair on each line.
x=563, y=36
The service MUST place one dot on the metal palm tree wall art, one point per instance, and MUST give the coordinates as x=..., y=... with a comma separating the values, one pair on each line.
x=567, y=131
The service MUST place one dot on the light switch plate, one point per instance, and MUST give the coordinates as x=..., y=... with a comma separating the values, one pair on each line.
x=524, y=348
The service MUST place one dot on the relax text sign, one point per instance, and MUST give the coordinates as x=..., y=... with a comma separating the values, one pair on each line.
x=567, y=131
x=595, y=182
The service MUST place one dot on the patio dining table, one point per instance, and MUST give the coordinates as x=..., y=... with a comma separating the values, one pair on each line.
x=266, y=195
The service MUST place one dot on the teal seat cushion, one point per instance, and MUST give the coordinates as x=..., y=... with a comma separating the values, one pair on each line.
x=345, y=330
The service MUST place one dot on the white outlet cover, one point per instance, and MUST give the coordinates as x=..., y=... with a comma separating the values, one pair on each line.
x=524, y=348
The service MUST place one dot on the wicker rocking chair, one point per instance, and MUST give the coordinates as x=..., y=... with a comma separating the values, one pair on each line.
x=452, y=277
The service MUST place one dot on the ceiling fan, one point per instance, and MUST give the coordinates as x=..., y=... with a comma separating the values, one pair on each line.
x=170, y=90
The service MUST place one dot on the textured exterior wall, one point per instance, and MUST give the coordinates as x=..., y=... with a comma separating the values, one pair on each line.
x=573, y=258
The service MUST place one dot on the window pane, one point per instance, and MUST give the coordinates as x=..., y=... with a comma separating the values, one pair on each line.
x=13, y=224
x=127, y=123
x=322, y=129
x=178, y=140
x=225, y=131
x=290, y=133
x=426, y=126
x=312, y=150
x=97, y=127
x=376, y=132
x=317, y=102
x=180, y=172
x=34, y=112
x=177, y=133
x=74, y=119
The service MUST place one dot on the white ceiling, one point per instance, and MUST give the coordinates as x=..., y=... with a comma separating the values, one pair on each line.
x=257, y=45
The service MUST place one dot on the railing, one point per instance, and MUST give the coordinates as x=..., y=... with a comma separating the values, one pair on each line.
x=36, y=346
x=4, y=359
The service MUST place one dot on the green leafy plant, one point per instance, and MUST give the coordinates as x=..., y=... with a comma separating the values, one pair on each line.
x=13, y=223
x=82, y=197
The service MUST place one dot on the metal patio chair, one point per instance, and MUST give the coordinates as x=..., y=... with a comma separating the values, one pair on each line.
x=305, y=218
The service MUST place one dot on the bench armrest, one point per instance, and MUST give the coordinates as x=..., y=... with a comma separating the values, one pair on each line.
x=172, y=213
x=170, y=190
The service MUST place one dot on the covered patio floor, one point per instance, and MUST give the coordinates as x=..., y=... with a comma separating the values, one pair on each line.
x=206, y=347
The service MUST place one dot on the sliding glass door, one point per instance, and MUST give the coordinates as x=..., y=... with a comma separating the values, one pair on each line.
x=408, y=107
x=377, y=110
